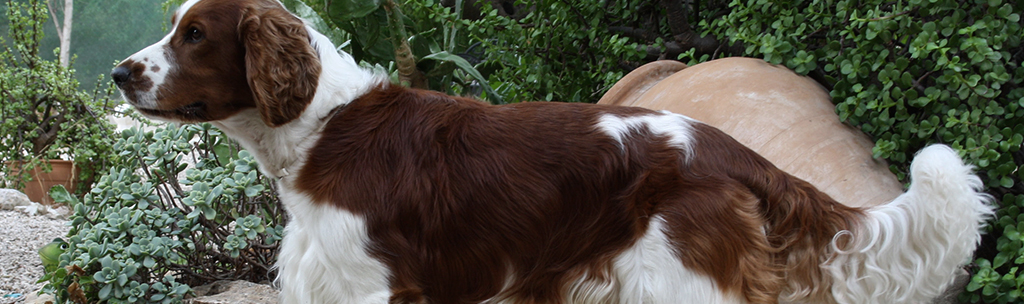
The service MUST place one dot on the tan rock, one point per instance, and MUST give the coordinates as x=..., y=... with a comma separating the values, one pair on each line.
x=234, y=292
x=33, y=298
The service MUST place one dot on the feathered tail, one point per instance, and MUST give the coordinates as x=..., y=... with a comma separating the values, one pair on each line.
x=908, y=250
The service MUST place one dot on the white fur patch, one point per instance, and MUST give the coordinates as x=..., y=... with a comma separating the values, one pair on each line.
x=678, y=129
x=324, y=257
x=651, y=272
x=908, y=250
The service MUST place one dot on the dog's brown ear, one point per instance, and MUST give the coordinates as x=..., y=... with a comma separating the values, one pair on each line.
x=281, y=66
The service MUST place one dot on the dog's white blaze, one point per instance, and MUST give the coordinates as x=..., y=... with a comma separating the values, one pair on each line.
x=651, y=272
x=153, y=56
x=678, y=129
x=324, y=258
x=184, y=8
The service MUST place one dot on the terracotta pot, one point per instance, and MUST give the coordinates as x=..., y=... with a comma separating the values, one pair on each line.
x=64, y=173
x=787, y=118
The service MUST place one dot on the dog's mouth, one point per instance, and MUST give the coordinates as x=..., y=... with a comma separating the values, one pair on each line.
x=193, y=112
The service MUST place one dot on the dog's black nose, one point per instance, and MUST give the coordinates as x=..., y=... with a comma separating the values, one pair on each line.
x=121, y=74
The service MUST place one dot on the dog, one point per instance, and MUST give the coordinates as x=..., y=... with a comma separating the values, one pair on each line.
x=398, y=195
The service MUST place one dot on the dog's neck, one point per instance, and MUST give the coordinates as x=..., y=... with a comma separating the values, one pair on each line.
x=281, y=151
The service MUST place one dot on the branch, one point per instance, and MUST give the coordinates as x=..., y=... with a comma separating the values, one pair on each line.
x=917, y=83
x=676, y=15
x=703, y=44
x=408, y=74
x=684, y=36
x=53, y=15
x=634, y=33
x=65, y=36
x=48, y=136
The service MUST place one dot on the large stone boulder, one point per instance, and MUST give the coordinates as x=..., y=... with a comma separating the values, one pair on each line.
x=10, y=198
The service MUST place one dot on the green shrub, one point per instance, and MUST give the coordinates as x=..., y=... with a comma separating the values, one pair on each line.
x=561, y=51
x=141, y=235
x=544, y=50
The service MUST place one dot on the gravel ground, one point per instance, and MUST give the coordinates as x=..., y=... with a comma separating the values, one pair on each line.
x=20, y=238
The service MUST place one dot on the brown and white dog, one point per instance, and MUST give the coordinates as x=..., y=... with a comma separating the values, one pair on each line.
x=398, y=195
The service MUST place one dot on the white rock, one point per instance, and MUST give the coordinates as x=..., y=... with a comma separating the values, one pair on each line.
x=36, y=209
x=10, y=198
x=32, y=209
x=59, y=213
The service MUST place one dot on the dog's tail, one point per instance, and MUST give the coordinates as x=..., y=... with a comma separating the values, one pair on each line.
x=908, y=250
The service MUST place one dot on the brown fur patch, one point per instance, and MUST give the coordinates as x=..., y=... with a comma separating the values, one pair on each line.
x=282, y=68
x=799, y=220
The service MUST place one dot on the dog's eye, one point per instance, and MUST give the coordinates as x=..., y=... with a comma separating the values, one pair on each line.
x=193, y=35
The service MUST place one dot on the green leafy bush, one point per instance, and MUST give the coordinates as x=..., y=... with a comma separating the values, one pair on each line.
x=544, y=50
x=561, y=51
x=153, y=226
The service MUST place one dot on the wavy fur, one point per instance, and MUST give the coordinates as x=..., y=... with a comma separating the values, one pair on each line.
x=907, y=251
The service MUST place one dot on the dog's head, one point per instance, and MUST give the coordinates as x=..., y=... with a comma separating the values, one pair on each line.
x=222, y=57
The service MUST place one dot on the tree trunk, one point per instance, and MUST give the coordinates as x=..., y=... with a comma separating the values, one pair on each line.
x=65, y=38
x=63, y=29
x=408, y=73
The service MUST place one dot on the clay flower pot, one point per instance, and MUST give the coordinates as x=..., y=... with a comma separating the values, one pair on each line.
x=38, y=188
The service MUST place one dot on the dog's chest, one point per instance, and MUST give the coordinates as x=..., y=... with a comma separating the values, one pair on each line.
x=324, y=254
